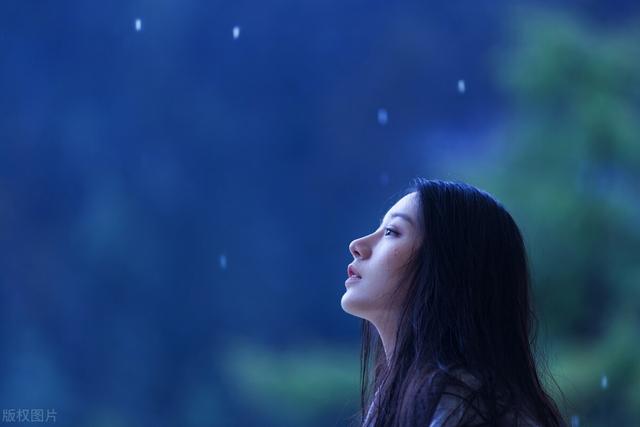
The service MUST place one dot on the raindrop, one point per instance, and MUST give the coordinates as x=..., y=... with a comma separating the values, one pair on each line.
x=138, y=25
x=383, y=116
x=236, y=32
x=462, y=87
x=575, y=421
x=604, y=381
x=223, y=261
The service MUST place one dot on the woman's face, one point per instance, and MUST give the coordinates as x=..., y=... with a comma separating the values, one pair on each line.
x=379, y=258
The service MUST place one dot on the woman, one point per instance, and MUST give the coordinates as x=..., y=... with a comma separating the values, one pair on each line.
x=444, y=281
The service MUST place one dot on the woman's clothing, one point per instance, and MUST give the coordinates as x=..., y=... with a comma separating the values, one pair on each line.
x=450, y=412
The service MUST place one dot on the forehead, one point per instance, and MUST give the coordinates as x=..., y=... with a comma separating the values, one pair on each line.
x=406, y=205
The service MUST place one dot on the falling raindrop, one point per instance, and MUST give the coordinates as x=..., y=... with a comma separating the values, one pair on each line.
x=462, y=87
x=575, y=421
x=223, y=261
x=138, y=25
x=383, y=116
x=236, y=32
x=604, y=381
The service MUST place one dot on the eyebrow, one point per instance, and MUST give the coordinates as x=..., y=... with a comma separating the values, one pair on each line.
x=401, y=215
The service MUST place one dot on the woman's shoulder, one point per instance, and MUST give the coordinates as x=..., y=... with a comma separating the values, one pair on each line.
x=454, y=407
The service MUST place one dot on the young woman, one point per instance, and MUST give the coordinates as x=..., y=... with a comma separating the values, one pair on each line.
x=445, y=283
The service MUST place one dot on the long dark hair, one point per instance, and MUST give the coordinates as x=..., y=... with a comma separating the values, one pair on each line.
x=468, y=305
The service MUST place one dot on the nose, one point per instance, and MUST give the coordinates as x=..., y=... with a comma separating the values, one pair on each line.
x=358, y=249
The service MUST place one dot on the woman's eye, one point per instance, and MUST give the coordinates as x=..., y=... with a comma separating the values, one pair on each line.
x=389, y=230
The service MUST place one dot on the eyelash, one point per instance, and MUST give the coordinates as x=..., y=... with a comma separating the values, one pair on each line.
x=388, y=229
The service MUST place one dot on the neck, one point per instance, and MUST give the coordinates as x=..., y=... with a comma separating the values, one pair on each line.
x=387, y=329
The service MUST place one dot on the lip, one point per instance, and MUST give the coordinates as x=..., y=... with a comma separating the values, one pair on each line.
x=351, y=280
x=352, y=271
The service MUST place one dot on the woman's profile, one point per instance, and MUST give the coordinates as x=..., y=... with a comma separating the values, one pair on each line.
x=443, y=291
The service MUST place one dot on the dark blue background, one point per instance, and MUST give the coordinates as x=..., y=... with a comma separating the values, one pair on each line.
x=130, y=162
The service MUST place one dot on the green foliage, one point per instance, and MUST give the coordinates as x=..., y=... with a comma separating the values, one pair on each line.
x=294, y=387
x=580, y=369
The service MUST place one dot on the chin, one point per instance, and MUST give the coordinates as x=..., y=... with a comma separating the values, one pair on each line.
x=350, y=306
x=345, y=304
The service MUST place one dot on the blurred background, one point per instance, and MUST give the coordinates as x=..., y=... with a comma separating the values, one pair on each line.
x=180, y=180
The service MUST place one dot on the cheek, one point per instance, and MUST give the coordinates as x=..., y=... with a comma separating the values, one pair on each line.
x=396, y=260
